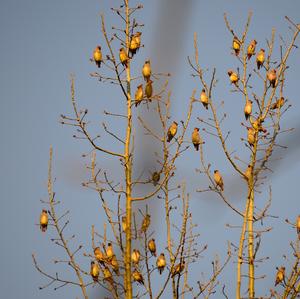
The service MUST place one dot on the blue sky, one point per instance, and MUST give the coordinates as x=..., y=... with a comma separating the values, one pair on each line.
x=42, y=43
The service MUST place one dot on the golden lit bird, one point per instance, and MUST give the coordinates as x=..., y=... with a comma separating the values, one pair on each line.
x=123, y=57
x=146, y=71
x=152, y=247
x=114, y=264
x=124, y=223
x=279, y=275
x=260, y=58
x=95, y=270
x=44, y=220
x=251, y=48
x=172, y=131
x=204, y=98
x=109, y=251
x=135, y=256
x=139, y=95
x=196, y=138
x=155, y=177
x=177, y=269
x=256, y=124
x=98, y=56
x=248, y=109
x=271, y=75
x=146, y=223
x=137, y=276
x=298, y=226
x=236, y=45
x=218, y=179
x=107, y=275
x=99, y=255
x=161, y=263
x=234, y=77
x=149, y=89
x=251, y=136
x=248, y=172
x=135, y=43
x=278, y=104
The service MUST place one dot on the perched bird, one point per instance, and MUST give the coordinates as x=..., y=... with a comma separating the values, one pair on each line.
x=258, y=126
x=172, y=131
x=155, y=177
x=278, y=104
x=298, y=226
x=236, y=45
x=260, y=58
x=135, y=43
x=204, y=98
x=124, y=223
x=177, y=269
x=251, y=136
x=152, y=247
x=123, y=57
x=114, y=264
x=95, y=270
x=109, y=251
x=99, y=255
x=218, y=179
x=146, y=71
x=161, y=263
x=279, y=275
x=248, y=172
x=149, y=89
x=98, y=56
x=234, y=77
x=251, y=48
x=135, y=256
x=107, y=275
x=196, y=138
x=271, y=75
x=137, y=276
x=139, y=95
x=248, y=109
x=44, y=220
x=145, y=223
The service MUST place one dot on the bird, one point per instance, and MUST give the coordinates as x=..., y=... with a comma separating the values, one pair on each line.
x=196, y=139
x=172, y=131
x=260, y=58
x=278, y=104
x=137, y=276
x=123, y=57
x=161, y=263
x=135, y=256
x=155, y=177
x=99, y=255
x=146, y=223
x=251, y=136
x=114, y=264
x=257, y=126
x=236, y=45
x=135, y=43
x=218, y=179
x=298, y=226
x=271, y=75
x=234, y=77
x=124, y=223
x=204, y=98
x=152, y=247
x=44, y=220
x=107, y=275
x=139, y=95
x=248, y=172
x=251, y=48
x=146, y=71
x=98, y=56
x=177, y=269
x=95, y=270
x=248, y=108
x=109, y=251
x=149, y=89
x=279, y=275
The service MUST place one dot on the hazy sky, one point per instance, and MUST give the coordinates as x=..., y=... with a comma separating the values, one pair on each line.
x=42, y=42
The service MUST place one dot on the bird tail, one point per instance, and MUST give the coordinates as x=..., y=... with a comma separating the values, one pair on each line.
x=258, y=65
x=43, y=228
x=196, y=146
